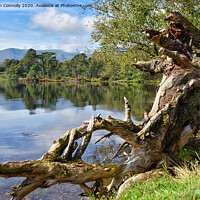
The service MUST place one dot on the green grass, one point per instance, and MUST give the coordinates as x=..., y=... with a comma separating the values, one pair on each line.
x=185, y=186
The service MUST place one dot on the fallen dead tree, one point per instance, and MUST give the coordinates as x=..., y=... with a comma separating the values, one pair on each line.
x=172, y=121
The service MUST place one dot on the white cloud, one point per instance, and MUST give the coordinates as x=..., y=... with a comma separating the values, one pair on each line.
x=24, y=44
x=56, y=21
x=88, y=23
x=2, y=32
x=73, y=43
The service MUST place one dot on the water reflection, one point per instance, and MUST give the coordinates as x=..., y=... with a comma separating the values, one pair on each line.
x=33, y=116
x=107, y=96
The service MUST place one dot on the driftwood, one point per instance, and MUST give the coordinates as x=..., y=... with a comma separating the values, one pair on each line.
x=168, y=127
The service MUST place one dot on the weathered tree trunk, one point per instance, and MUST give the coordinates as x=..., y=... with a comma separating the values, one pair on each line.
x=173, y=119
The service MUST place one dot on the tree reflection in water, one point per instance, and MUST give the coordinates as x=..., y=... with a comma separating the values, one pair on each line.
x=107, y=96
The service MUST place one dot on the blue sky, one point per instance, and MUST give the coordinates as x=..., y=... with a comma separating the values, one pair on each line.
x=66, y=28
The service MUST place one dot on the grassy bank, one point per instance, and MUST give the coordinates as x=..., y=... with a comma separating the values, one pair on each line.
x=184, y=186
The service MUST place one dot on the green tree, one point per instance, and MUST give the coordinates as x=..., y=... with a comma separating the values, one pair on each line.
x=12, y=67
x=51, y=66
x=94, y=68
x=44, y=57
x=9, y=63
x=79, y=64
x=77, y=67
x=16, y=70
x=34, y=71
x=2, y=69
x=66, y=69
x=119, y=24
x=58, y=70
x=29, y=60
x=6, y=64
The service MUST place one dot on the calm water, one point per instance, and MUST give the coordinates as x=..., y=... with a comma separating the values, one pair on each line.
x=32, y=116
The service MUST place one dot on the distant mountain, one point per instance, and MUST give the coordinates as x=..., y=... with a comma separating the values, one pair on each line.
x=18, y=54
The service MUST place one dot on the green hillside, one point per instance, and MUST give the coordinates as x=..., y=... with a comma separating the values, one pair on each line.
x=18, y=54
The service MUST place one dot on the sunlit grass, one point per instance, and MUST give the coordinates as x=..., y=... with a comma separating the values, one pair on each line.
x=184, y=186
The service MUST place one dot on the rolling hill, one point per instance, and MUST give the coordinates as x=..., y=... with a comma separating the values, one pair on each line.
x=13, y=53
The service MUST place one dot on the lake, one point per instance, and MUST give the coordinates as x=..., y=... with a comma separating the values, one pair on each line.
x=34, y=115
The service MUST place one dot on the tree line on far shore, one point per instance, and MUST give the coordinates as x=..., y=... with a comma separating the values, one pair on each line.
x=45, y=65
